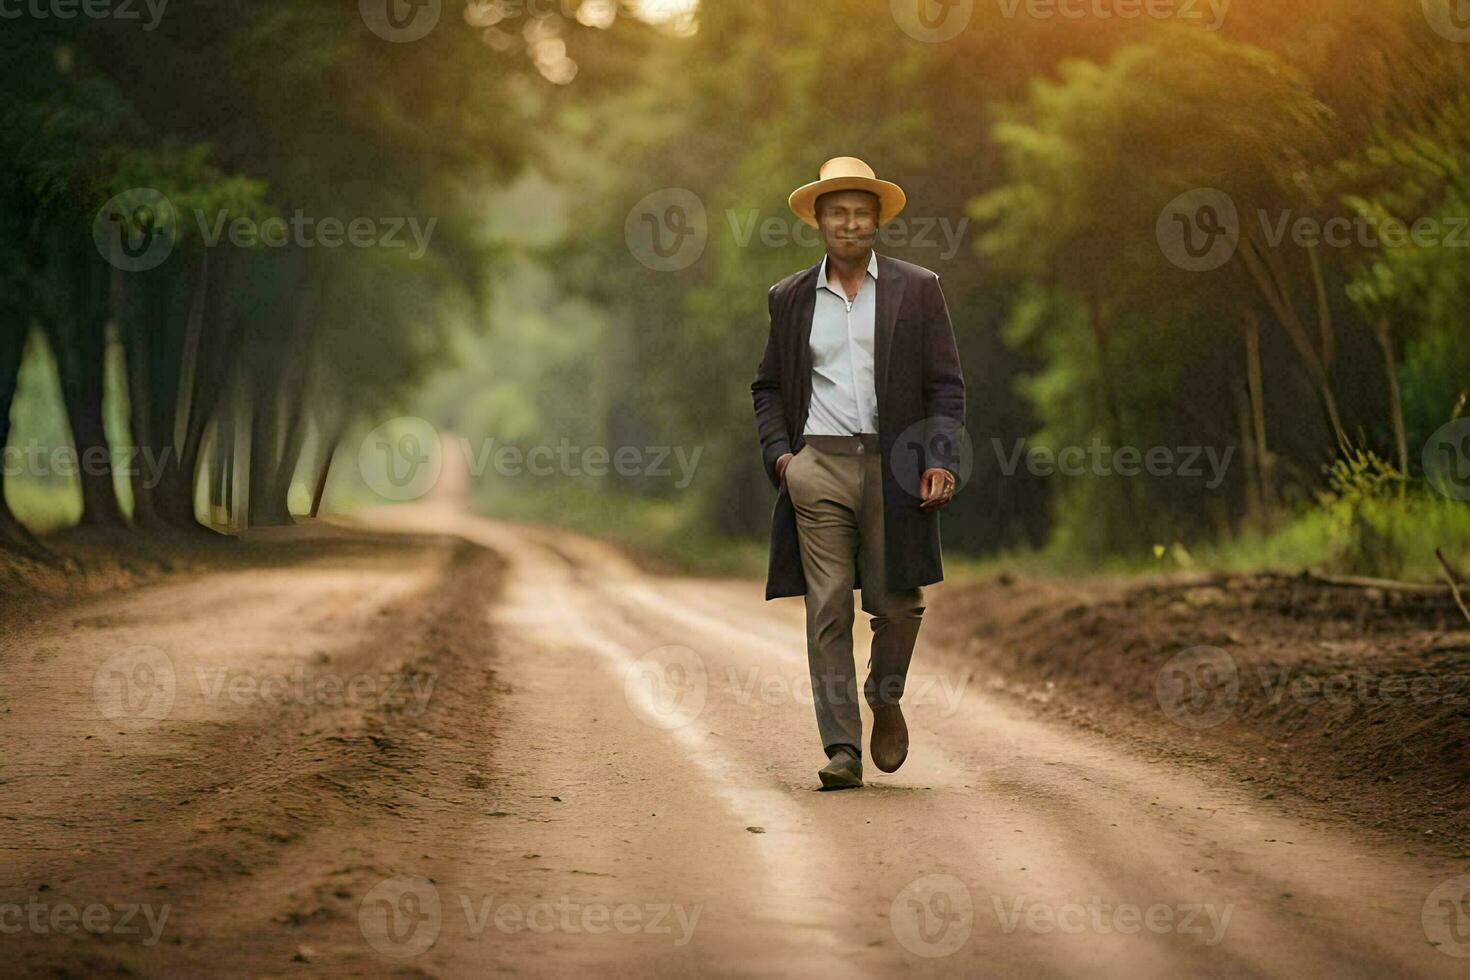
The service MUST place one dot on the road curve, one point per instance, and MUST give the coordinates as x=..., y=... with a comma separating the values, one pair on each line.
x=675, y=714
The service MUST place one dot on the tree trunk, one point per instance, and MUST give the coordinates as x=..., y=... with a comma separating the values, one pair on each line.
x=139, y=315
x=295, y=390
x=265, y=507
x=203, y=378
x=156, y=335
x=1395, y=397
x=77, y=282
x=1111, y=417
x=329, y=452
x=1255, y=385
x=14, y=328
x=1269, y=278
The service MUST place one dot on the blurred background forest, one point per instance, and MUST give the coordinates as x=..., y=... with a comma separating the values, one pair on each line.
x=602, y=187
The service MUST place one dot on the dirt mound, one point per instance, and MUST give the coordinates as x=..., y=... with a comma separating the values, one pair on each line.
x=1351, y=696
x=85, y=561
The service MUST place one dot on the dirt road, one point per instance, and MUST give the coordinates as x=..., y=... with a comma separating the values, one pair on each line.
x=411, y=756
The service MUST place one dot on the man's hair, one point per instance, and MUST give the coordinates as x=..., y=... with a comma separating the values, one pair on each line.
x=817, y=208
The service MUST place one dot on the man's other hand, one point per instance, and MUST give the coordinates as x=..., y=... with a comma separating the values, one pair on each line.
x=936, y=487
x=781, y=465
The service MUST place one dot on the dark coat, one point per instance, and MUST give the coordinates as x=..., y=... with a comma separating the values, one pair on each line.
x=920, y=385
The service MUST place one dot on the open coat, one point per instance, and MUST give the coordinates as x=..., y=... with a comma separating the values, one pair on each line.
x=920, y=388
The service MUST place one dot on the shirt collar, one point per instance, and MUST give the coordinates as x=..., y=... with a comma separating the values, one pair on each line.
x=872, y=269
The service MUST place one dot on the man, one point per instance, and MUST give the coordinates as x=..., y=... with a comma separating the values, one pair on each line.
x=857, y=399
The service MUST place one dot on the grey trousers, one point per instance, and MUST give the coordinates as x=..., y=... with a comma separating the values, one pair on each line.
x=836, y=486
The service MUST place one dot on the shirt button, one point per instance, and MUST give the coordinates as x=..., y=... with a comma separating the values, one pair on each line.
x=860, y=449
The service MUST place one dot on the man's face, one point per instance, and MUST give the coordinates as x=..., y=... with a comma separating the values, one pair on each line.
x=849, y=222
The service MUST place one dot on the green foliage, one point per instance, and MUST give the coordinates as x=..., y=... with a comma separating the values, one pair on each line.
x=1052, y=146
x=1365, y=506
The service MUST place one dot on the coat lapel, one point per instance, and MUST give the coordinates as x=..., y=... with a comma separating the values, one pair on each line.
x=806, y=308
x=890, y=296
x=802, y=313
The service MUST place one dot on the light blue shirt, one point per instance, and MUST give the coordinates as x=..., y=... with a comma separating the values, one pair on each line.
x=844, y=397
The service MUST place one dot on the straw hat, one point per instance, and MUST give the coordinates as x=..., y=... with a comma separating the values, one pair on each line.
x=847, y=174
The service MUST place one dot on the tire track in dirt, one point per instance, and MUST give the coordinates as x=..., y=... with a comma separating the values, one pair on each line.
x=560, y=777
x=248, y=811
x=1301, y=900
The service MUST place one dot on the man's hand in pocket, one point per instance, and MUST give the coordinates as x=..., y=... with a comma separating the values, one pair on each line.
x=781, y=465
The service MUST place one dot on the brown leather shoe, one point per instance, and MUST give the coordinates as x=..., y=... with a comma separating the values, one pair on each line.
x=844, y=771
x=890, y=743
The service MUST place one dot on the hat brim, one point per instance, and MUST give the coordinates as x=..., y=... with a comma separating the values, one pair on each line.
x=891, y=198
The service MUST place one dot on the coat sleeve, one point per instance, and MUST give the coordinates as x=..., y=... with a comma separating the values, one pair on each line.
x=770, y=412
x=944, y=382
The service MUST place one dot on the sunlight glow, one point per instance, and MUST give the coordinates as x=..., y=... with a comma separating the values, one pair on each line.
x=677, y=16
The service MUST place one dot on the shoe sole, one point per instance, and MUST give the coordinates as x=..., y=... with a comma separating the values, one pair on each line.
x=836, y=781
